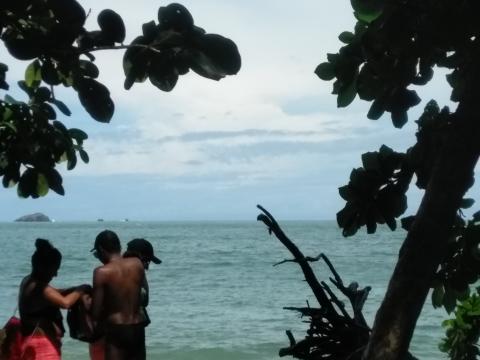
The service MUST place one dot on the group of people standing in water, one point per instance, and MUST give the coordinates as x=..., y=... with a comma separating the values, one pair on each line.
x=110, y=314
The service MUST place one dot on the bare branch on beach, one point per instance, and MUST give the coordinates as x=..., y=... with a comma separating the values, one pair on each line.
x=333, y=332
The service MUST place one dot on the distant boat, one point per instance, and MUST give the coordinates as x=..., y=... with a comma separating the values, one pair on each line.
x=100, y=220
x=125, y=220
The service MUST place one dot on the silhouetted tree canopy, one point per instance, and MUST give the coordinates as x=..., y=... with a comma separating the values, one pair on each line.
x=51, y=34
x=394, y=46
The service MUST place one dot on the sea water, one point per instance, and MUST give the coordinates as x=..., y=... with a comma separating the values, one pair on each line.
x=216, y=294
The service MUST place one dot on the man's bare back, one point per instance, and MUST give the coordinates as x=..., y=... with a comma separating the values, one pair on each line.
x=116, y=303
x=119, y=284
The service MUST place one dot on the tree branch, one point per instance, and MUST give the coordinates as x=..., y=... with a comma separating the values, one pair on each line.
x=312, y=281
x=332, y=334
x=357, y=297
x=119, y=47
x=308, y=258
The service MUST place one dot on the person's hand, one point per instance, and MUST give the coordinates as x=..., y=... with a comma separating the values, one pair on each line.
x=87, y=301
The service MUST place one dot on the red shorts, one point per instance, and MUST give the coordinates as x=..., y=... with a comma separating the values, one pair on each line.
x=39, y=347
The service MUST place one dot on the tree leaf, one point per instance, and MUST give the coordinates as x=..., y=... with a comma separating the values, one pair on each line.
x=42, y=185
x=175, y=16
x=476, y=216
x=9, y=99
x=162, y=73
x=49, y=74
x=27, y=186
x=367, y=10
x=325, y=71
x=28, y=90
x=112, y=25
x=437, y=296
x=399, y=118
x=61, y=106
x=367, y=17
x=370, y=161
x=135, y=62
x=346, y=37
x=391, y=223
x=449, y=300
x=72, y=160
x=347, y=219
x=78, y=134
x=386, y=151
x=347, y=94
x=215, y=56
x=467, y=203
x=84, y=156
x=149, y=30
x=371, y=223
x=11, y=176
x=3, y=71
x=59, y=126
x=345, y=192
x=7, y=113
x=95, y=98
x=89, y=69
x=42, y=94
x=47, y=111
x=55, y=181
x=376, y=110
x=33, y=75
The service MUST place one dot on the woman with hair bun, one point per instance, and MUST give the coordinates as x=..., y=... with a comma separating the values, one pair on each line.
x=39, y=305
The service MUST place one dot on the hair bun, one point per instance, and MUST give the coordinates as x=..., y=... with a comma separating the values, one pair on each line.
x=43, y=245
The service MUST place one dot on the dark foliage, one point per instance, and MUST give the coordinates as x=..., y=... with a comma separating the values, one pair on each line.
x=461, y=266
x=463, y=331
x=51, y=34
x=394, y=46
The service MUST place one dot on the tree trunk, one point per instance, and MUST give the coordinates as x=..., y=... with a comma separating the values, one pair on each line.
x=426, y=242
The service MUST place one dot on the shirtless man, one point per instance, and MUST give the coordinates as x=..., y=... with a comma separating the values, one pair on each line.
x=116, y=303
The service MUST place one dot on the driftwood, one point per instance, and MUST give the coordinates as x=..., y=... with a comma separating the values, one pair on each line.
x=334, y=332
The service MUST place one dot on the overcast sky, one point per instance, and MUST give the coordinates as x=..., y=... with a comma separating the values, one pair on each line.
x=213, y=150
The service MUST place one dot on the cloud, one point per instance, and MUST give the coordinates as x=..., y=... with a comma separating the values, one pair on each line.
x=186, y=131
x=213, y=136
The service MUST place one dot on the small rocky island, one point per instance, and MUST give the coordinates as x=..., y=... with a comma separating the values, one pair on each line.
x=37, y=217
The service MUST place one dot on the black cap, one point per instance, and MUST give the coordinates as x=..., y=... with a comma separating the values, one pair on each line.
x=143, y=248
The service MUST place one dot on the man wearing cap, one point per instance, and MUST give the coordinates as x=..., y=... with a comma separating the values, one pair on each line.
x=116, y=302
x=143, y=250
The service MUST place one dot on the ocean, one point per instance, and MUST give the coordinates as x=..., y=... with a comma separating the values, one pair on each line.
x=216, y=294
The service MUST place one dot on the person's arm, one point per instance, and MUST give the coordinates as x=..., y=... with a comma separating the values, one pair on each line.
x=84, y=287
x=98, y=294
x=62, y=301
x=67, y=291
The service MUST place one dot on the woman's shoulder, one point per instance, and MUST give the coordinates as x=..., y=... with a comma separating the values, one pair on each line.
x=30, y=297
x=30, y=285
